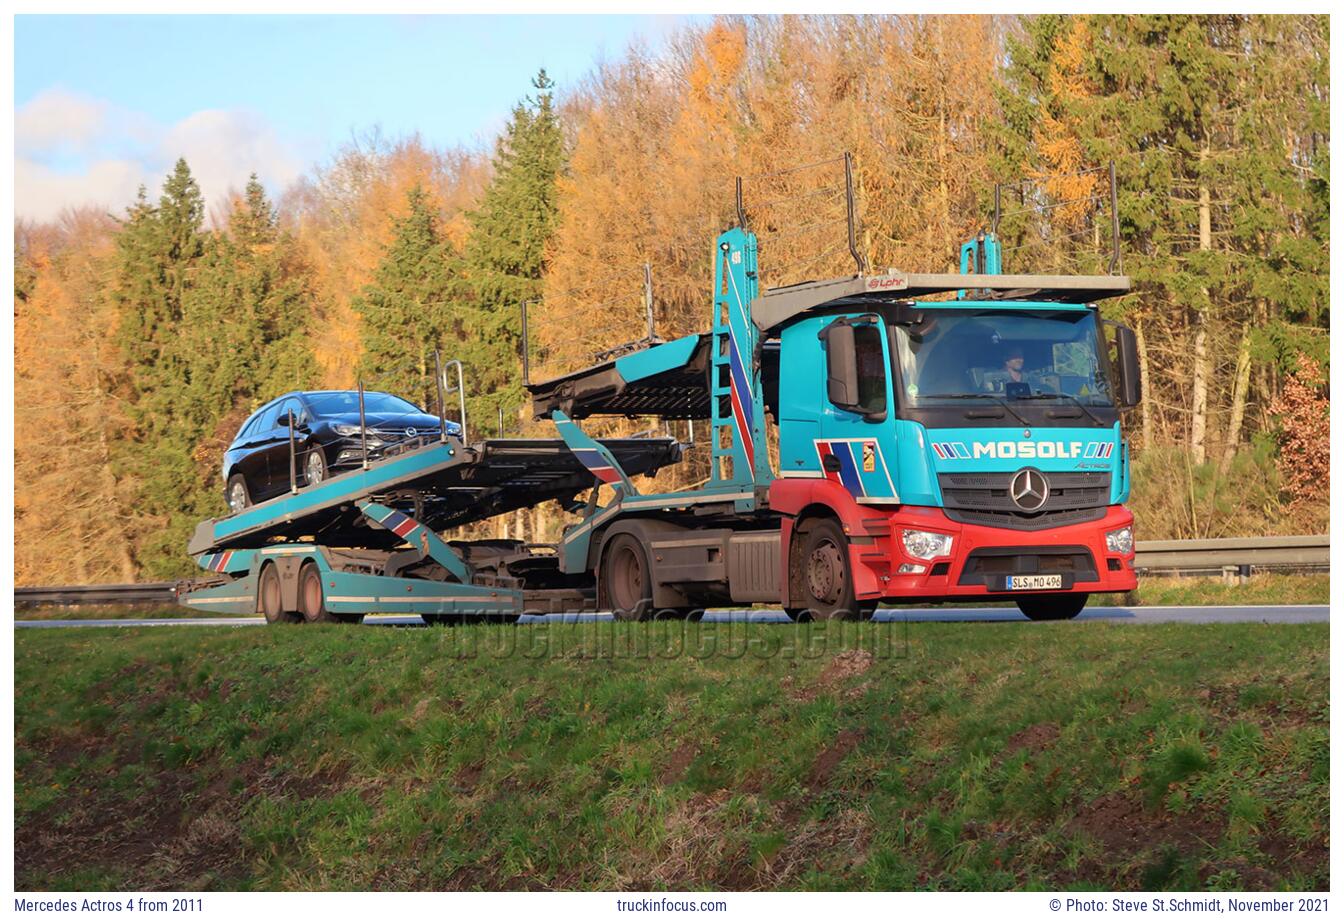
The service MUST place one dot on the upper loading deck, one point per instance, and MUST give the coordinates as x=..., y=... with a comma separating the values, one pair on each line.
x=449, y=483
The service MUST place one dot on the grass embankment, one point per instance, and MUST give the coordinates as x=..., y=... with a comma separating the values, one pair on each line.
x=1153, y=592
x=985, y=756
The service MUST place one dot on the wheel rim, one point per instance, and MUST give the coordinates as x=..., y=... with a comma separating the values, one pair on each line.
x=627, y=579
x=237, y=497
x=270, y=595
x=312, y=597
x=314, y=469
x=826, y=572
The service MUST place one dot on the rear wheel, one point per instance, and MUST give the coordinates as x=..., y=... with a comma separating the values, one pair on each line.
x=1052, y=606
x=625, y=572
x=312, y=604
x=268, y=596
x=828, y=583
x=237, y=494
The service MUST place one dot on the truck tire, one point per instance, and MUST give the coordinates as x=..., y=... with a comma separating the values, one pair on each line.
x=1052, y=606
x=269, y=597
x=626, y=579
x=828, y=584
x=312, y=602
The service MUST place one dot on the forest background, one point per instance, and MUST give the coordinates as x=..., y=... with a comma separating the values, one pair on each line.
x=143, y=339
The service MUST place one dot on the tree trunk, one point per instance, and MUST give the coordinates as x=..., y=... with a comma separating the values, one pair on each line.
x=1147, y=406
x=1240, y=386
x=1199, y=409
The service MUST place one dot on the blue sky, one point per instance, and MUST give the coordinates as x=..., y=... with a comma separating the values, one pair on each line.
x=106, y=102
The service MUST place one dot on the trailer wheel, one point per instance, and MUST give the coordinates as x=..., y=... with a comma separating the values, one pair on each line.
x=1052, y=606
x=828, y=584
x=626, y=577
x=269, y=598
x=311, y=602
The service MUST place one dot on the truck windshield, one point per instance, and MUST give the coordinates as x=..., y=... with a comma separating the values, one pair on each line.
x=1008, y=355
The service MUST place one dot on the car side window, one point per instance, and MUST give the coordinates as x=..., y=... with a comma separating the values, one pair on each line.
x=286, y=407
x=269, y=418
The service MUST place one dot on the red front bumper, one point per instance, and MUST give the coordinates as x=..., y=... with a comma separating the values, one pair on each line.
x=981, y=555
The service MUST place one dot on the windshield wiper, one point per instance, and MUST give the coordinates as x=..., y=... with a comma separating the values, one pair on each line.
x=1074, y=399
x=979, y=396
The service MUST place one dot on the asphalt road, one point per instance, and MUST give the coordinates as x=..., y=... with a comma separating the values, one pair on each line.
x=1301, y=613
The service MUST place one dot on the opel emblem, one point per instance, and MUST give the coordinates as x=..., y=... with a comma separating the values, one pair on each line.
x=1029, y=490
x=410, y=432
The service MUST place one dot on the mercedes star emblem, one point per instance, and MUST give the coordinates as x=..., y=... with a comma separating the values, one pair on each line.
x=1029, y=490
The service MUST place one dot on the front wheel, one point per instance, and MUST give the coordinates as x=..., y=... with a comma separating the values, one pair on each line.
x=1052, y=606
x=314, y=466
x=828, y=583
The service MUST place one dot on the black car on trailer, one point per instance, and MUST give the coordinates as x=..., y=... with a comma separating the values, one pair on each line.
x=327, y=439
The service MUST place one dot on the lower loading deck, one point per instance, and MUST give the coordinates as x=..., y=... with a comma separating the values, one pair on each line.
x=367, y=541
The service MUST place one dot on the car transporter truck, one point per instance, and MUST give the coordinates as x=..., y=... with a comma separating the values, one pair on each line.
x=941, y=437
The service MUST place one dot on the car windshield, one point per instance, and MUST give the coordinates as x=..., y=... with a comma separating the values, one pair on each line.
x=1004, y=354
x=348, y=404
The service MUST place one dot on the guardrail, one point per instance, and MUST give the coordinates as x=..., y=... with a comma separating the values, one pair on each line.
x=1239, y=554
x=154, y=593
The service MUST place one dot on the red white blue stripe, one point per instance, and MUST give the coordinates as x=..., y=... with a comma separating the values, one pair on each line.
x=398, y=523
x=597, y=464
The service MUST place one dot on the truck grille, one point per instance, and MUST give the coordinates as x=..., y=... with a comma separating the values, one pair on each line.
x=982, y=498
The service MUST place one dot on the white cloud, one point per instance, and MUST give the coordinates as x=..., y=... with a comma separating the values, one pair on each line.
x=73, y=150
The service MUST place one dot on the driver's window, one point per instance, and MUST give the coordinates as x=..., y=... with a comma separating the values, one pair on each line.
x=872, y=366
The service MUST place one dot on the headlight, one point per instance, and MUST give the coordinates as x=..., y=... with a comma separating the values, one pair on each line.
x=346, y=431
x=1120, y=541
x=453, y=428
x=925, y=545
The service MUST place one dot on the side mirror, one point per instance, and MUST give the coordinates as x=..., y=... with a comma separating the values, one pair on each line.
x=842, y=367
x=1127, y=368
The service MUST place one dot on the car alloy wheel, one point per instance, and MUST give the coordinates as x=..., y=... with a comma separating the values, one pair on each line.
x=315, y=468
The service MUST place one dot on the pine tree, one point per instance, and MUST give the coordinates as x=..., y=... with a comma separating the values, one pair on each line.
x=504, y=257
x=406, y=311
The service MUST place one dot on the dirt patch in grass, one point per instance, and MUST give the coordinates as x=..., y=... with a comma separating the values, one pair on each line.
x=840, y=668
x=1132, y=838
x=676, y=765
x=824, y=766
x=1033, y=738
x=172, y=836
x=1121, y=823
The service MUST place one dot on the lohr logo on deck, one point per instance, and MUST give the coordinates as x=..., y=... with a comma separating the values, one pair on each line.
x=886, y=283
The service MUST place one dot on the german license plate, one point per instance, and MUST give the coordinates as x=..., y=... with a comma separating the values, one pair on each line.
x=1034, y=582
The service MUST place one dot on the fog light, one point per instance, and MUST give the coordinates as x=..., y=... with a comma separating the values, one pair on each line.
x=1120, y=541
x=909, y=568
x=923, y=544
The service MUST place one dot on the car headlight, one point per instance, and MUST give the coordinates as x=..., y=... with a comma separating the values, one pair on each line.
x=923, y=544
x=346, y=431
x=1120, y=541
x=452, y=428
